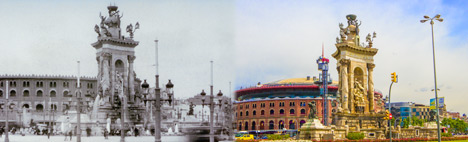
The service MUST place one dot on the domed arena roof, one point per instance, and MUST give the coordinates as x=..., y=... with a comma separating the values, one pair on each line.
x=286, y=88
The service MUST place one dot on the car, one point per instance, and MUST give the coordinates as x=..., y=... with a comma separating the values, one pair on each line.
x=245, y=137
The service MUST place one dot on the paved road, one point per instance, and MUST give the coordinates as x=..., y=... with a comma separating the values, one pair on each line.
x=33, y=138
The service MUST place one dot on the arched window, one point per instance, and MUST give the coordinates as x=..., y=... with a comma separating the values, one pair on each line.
x=53, y=106
x=53, y=93
x=1, y=93
x=240, y=114
x=292, y=124
x=65, y=94
x=281, y=111
x=26, y=93
x=246, y=127
x=281, y=124
x=291, y=111
x=119, y=66
x=246, y=113
x=39, y=107
x=39, y=93
x=271, y=125
x=302, y=122
x=272, y=112
x=303, y=111
x=12, y=93
x=262, y=125
x=240, y=125
x=25, y=105
x=262, y=112
x=253, y=126
x=254, y=113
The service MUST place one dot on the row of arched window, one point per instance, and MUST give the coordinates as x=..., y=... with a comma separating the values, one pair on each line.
x=272, y=112
x=270, y=126
x=39, y=107
x=272, y=104
x=41, y=84
x=39, y=93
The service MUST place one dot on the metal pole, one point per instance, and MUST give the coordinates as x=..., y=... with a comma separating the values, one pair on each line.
x=435, y=82
x=78, y=97
x=390, y=109
x=50, y=111
x=7, y=109
x=122, y=118
x=229, y=113
x=157, y=125
x=211, y=106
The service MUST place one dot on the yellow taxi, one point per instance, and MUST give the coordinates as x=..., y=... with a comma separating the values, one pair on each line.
x=244, y=137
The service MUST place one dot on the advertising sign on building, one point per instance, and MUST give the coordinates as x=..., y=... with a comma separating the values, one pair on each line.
x=433, y=103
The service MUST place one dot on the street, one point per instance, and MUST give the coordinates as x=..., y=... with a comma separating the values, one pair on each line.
x=34, y=138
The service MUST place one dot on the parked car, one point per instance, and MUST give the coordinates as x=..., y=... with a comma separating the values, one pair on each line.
x=245, y=137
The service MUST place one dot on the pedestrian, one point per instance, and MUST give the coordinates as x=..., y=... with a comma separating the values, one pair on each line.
x=13, y=131
x=1, y=131
x=76, y=132
x=38, y=132
x=136, y=132
x=105, y=134
x=88, y=131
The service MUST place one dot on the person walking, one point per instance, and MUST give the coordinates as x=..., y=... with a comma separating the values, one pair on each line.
x=1, y=131
x=136, y=132
x=105, y=134
x=88, y=131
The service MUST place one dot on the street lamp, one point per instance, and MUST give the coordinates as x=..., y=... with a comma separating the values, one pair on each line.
x=211, y=104
x=7, y=110
x=157, y=99
x=427, y=18
x=145, y=87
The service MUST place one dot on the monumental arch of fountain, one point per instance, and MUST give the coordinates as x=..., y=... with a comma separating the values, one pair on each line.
x=117, y=82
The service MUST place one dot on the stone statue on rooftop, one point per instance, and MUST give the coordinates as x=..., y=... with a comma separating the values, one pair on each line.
x=313, y=110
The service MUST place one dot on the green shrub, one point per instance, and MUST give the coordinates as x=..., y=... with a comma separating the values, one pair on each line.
x=446, y=134
x=277, y=137
x=355, y=136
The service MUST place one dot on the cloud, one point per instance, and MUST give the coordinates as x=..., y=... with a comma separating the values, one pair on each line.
x=48, y=38
x=286, y=38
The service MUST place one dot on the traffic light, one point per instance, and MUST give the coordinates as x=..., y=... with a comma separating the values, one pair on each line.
x=387, y=115
x=394, y=77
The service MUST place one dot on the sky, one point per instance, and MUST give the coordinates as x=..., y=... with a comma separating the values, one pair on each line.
x=249, y=42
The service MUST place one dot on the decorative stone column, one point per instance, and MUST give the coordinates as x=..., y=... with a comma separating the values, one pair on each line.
x=99, y=60
x=370, y=78
x=106, y=57
x=112, y=80
x=344, y=84
x=131, y=78
x=351, y=87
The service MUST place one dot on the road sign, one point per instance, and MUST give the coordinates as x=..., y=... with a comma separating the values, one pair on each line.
x=390, y=116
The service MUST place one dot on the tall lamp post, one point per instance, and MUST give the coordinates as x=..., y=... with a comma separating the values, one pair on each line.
x=211, y=103
x=78, y=105
x=427, y=18
x=157, y=98
x=7, y=110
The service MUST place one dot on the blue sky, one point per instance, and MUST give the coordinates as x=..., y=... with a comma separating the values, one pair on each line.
x=282, y=39
x=249, y=41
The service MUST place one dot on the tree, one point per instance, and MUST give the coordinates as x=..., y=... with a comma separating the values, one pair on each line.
x=456, y=125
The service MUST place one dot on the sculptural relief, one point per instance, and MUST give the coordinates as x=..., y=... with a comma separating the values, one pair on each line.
x=109, y=26
x=312, y=111
x=359, y=96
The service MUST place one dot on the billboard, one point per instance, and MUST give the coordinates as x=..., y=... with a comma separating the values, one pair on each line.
x=433, y=103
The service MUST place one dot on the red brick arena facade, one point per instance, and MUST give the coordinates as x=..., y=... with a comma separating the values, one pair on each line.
x=281, y=105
